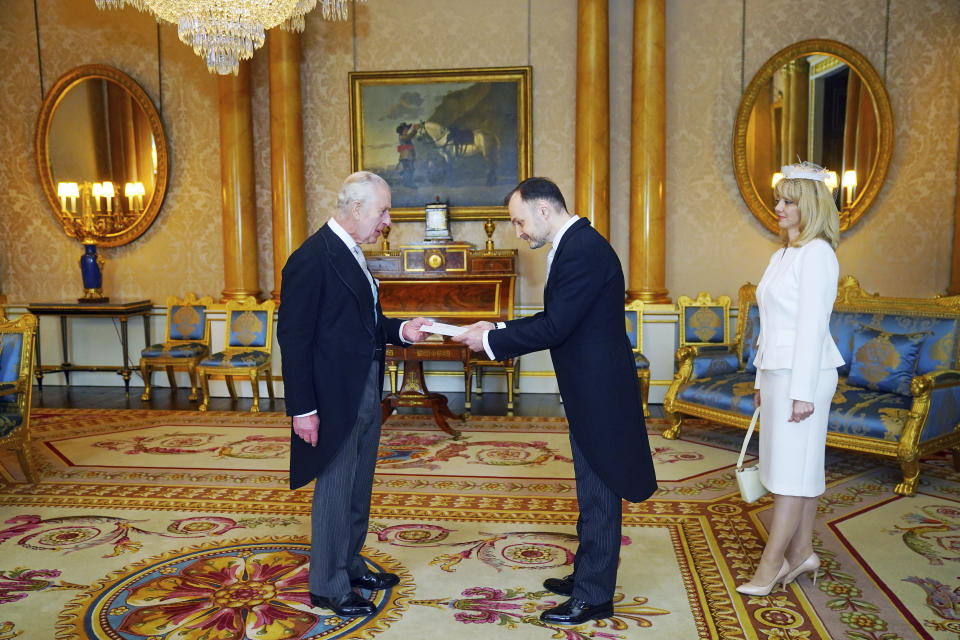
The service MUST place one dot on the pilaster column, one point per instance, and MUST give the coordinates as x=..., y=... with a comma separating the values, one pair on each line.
x=592, y=190
x=648, y=153
x=240, y=270
x=286, y=149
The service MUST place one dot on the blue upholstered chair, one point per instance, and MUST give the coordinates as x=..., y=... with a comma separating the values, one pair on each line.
x=187, y=342
x=633, y=318
x=704, y=321
x=249, y=344
x=17, y=340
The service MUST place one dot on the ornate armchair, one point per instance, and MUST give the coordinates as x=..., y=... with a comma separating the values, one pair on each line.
x=633, y=318
x=187, y=342
x=249, y=344
x=17, y=340
x=704, y=321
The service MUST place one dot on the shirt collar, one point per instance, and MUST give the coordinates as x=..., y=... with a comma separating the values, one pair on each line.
x=342, y=233
x=563, y=230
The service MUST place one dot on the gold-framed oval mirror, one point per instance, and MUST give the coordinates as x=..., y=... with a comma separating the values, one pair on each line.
x=816, y=100
x=101, y=155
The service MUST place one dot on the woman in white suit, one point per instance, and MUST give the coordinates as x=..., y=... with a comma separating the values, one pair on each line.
x=796, y=362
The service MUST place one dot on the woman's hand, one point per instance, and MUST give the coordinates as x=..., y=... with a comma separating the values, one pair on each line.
x=801, y=411
x=756, y=399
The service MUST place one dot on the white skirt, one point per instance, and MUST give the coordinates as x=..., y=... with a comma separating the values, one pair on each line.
x=791, y=453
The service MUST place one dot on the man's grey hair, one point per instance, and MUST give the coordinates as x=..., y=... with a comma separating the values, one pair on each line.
x=358, y=187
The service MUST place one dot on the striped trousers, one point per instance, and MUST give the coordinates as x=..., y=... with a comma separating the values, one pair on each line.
x=598, y=527
x=340, y=513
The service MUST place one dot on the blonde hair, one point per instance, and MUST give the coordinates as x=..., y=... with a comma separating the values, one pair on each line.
x=819, y=217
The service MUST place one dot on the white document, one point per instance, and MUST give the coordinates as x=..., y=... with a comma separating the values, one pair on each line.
x=443, y=329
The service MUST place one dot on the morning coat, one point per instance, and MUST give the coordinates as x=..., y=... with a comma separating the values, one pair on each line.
x=582, y=324
x=328, y=341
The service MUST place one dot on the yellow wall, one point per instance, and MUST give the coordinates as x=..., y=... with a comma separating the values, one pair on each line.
x=901, y=247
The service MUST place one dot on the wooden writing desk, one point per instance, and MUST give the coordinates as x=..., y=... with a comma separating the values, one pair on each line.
x=450, y=283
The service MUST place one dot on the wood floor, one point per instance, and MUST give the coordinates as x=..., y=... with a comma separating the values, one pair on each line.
x=53, y=396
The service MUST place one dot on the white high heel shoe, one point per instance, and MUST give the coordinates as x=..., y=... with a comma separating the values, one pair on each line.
x=811, y=564
x=763, y=590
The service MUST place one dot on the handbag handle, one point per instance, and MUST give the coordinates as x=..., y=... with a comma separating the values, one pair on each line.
x=746, y=439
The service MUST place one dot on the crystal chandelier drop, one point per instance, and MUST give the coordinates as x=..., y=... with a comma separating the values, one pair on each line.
x=224, y=32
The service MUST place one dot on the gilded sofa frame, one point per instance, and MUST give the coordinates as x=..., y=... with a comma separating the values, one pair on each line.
x=850, y=298
x=19, y=438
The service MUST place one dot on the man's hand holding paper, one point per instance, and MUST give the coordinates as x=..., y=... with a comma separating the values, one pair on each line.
x=473, y=335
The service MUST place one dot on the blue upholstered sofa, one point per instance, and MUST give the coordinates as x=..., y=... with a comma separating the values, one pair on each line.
x=898, y=395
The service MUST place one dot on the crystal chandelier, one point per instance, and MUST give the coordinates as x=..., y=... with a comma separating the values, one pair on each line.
x=224, y=32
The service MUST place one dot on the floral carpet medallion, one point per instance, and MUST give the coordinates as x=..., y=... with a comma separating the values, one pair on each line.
x=226, y=591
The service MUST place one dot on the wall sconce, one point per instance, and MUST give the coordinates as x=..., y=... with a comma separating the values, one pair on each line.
x=134, y=191
x=849, y=184
x=777, y=177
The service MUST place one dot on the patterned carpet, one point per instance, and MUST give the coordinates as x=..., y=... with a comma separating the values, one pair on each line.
x=178, y=525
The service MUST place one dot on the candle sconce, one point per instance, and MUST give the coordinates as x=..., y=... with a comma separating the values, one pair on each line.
x=86, y=225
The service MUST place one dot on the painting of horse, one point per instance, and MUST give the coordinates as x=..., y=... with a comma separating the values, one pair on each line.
x=460, y=136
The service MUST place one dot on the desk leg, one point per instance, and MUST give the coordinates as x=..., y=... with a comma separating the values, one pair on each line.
x=124, y=369
x=63, y=349
x=39, y=366
x=146, y=329
x=413, y=393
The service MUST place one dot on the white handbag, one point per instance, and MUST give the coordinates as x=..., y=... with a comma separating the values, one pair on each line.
x=751, y=489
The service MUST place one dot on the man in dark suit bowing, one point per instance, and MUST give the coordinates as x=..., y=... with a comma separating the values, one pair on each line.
x=332, y=333
x=582, y=325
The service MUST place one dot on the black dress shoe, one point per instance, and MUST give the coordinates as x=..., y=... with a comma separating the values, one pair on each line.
x=560, y=586
x=349, y=605
x=576, y=611
x=375, y=581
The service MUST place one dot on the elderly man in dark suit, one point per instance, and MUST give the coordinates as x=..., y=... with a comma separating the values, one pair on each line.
x=332, y=334
x=582, y=325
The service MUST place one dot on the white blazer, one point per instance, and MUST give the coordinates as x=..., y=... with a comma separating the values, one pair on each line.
x=795, y=298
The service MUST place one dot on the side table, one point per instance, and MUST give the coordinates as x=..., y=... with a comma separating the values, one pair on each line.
x=121, y=310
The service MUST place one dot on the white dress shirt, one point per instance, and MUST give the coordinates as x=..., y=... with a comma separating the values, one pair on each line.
x=553, y=249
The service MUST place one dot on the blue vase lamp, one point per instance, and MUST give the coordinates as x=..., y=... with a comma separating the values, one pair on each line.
x=91, y=270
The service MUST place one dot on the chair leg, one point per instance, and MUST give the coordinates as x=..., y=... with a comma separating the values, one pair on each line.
x=467, y=386
x=205, y=387
x=230, y=387
x=479, y=381
x=255, y=387
x=172, y=379
x=25, y=456
x=645, y=391
x=192, y=371
x=269, y=377
x=510, y=375
x=145, y=373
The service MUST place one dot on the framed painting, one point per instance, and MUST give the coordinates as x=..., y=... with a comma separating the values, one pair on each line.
x=460, y=136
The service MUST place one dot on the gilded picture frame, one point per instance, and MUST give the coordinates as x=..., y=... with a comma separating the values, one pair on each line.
x=459, y=136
